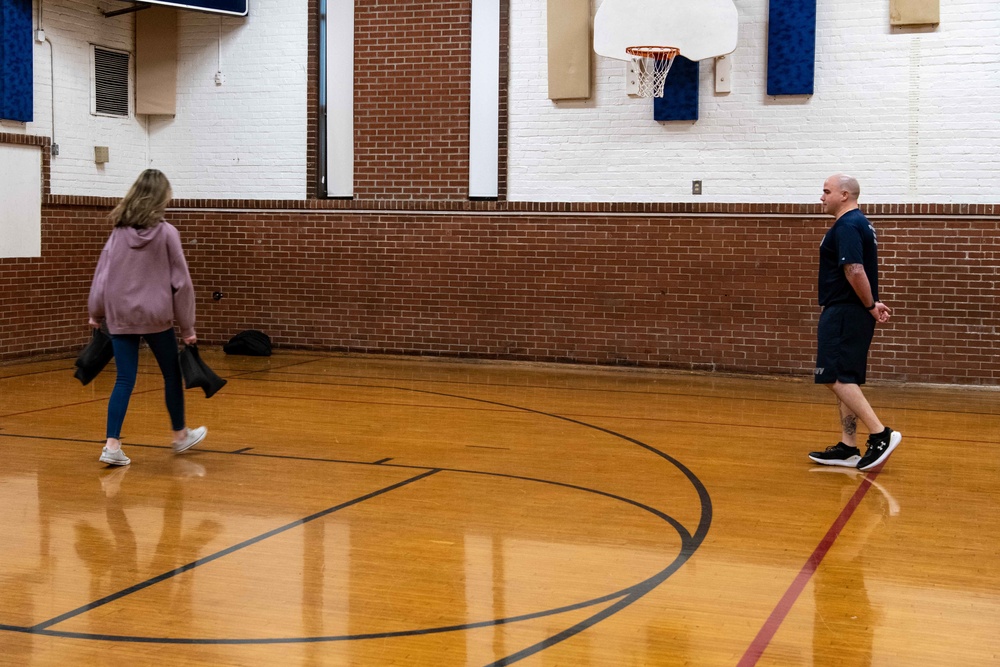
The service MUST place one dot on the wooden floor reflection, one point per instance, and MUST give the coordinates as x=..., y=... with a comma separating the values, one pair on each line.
x=352, y=510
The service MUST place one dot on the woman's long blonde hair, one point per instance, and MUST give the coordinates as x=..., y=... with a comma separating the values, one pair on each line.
x=146, y=202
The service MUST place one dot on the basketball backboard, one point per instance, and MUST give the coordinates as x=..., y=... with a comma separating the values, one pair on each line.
x=699, y=28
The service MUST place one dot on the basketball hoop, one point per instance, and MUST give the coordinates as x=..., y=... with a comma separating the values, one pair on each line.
x=651, y=66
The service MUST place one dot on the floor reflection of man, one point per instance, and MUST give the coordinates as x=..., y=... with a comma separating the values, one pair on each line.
x=845, y=619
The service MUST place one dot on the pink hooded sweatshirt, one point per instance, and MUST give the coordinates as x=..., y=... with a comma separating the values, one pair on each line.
x=142, y=284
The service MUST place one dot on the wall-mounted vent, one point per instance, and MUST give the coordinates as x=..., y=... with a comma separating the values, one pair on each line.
x=110, y=82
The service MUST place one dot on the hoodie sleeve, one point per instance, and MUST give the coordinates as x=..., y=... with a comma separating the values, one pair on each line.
x=95, y=303
x=180, y=284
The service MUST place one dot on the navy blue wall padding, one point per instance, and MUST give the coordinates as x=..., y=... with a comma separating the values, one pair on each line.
x=791, y=47
x=680, y=92
x=16, y=69
x=239, y=7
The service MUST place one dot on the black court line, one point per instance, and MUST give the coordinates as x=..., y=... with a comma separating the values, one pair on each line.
x=880, y=406
x=681, y=530
x=149, y=370
x=626, y=595
x=506, y=449
x=549, y=387
x=347, y=401
x=102, y=399
x=241, y=373
x=690, y=544
x=314, y=640
x=85, y=440
x=237, y=375
x=18, y=376
x=99, y=399
x=749, y=399
x=428, y=406
x=624, y=598
x=219, y=554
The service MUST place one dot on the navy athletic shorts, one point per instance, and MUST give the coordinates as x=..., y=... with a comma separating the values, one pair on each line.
x=844, y=335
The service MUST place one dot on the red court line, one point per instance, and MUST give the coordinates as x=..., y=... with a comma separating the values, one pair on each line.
x=774, y=621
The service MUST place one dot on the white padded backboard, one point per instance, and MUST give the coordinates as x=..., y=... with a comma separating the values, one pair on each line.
x=21, y=200
x=699, y=28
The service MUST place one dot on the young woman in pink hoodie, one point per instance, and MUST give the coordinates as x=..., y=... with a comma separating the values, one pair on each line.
x=141, y=287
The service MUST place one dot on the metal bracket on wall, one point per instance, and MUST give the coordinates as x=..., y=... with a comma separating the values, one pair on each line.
x=136, y=6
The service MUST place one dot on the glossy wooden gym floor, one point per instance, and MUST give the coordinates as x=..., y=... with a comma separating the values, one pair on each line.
x=352, y=510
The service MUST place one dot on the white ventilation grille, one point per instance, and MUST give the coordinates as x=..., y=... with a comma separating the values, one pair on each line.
x=110, y=82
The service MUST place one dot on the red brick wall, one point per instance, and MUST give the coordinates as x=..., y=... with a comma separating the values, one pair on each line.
x=413, y=267
x=729, y=287
x=44, y=301
x=412, y=68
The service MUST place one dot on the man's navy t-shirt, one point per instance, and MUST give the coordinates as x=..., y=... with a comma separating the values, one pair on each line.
x=851, y=240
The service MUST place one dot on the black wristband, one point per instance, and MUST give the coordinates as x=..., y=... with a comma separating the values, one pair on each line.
x=873, y=305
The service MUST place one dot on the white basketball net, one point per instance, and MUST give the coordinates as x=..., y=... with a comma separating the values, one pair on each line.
x=651, y=66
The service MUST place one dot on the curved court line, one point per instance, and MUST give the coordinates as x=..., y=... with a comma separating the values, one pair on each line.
x=660, y=394
x=236, y=374
x=641, y=587
x=689, y=544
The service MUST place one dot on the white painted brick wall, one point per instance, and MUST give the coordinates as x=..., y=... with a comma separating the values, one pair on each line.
x=913, y=113
x=72, y=26
x=244, y=139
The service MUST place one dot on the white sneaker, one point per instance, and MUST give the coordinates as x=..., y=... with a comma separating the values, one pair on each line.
x=114, y=458
x=193, y=437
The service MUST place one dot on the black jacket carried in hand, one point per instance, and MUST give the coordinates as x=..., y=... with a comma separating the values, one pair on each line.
x=197, y=373
x=94, y=357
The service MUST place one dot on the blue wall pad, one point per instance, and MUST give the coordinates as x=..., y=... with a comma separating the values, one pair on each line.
x=680, y=92
x=16, y=71
x=791, y=47
x=237, y=7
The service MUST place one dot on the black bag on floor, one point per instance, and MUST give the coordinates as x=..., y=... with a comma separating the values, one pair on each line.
x=251, y=342
x=94, y=357
x=197, y=373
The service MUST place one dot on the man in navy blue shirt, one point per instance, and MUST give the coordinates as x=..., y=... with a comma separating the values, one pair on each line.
x=848, y=293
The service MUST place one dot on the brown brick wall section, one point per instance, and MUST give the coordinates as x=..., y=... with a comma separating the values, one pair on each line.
x=718, y=291
x=412, y=69
x=44, y=300
x=313, y=186
x=412, y=120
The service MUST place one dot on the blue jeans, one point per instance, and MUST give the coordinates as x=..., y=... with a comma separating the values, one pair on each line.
x=164, y=348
